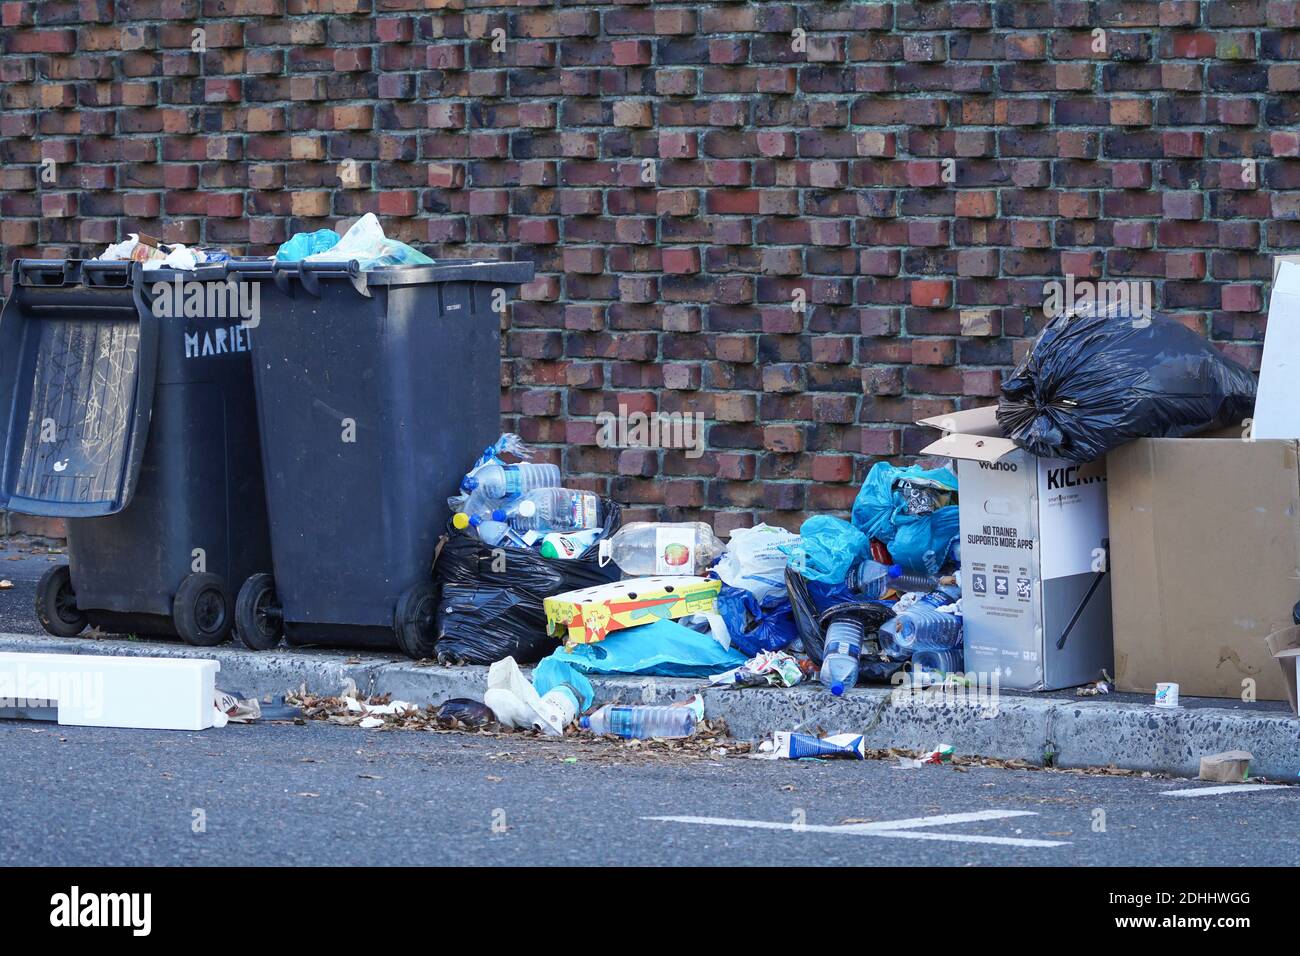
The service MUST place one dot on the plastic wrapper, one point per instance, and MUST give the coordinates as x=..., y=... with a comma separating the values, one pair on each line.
x=303, y=244
x=487, y=614
x=1095, y=381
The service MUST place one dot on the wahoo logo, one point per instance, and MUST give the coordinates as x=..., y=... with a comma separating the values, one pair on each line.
x=998, y=466
x=1069, y=477
x=75, y=909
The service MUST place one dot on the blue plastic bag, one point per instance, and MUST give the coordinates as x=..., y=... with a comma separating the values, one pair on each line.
x=662, y=649
x=756, y=627
x=303, y=244
x=826, y=549
x=919, y=542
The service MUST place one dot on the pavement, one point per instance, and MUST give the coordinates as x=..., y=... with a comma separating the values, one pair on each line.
x=1053, y=729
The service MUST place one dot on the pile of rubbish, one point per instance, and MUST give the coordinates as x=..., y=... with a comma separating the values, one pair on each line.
x=533, y=572
x=364, y=243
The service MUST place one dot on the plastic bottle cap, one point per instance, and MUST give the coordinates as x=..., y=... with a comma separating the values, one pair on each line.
x=527, y=508
x=895, y=570
x=498, y=514
x=837, y=689
x=460, y=521
x=584, y=723
x=469, y=483
x=476, y=520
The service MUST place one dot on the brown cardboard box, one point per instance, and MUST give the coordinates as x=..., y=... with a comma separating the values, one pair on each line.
x=1205, y=562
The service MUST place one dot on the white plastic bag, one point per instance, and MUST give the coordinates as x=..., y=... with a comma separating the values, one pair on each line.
x=366, y=243
x=754, y=560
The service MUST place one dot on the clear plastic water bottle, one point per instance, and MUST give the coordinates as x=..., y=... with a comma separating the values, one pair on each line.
x=510, y=481
x=948, y=661
x=492, y=529
x=922, y=628
x=904, y=581
x=869, y=579
x=640, y=721
x=555, y=509
x=659, y=547
x=840, y=658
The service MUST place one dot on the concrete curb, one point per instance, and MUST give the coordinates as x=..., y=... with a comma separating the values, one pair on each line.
x=1036, y=729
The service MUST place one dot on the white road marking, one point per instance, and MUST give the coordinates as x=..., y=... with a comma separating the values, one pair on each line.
x=1229, y=788
x=898, y=829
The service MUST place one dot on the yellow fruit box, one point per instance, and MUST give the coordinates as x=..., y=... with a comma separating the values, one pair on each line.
x=587, y=615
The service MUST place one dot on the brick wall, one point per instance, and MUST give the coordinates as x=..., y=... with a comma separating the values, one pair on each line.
x=683, y=175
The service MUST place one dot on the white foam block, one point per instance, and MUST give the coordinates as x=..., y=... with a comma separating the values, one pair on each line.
x=149, y=693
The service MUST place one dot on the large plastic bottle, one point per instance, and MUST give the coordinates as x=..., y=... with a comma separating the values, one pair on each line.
x=658, y=547
x=641, y=721
x=869, y=579
x=555, y=509
x=499, y=481
x=922, y=628
x=840, y=657
x=903, y=581
x=943, y=662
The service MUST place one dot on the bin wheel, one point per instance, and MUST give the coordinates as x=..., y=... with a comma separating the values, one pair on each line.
x=56, y=603
x=258, y=620
x=413, y=620
x=201, y=610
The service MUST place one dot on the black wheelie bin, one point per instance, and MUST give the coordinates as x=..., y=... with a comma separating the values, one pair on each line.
x=376, y=389
x=129, y=410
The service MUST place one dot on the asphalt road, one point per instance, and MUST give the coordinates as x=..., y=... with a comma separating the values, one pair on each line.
x=319, y=794
x=22, y=566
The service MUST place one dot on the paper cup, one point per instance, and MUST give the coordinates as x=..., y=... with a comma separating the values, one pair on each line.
x=1166, y=695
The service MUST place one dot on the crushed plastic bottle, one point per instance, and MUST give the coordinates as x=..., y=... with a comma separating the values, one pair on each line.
x=492, y=529
x=544, y=510
x=641, y=721
x=654, y=547
x=499, y=482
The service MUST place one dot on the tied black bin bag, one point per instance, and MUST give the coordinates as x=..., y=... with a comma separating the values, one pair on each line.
x=1093, y=382
x=491, y=601
x=128, y=411
x=374, y=389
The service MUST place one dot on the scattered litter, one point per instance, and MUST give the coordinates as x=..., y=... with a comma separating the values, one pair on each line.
x=237, y=710
x=767, y=669
x=1166, y=695
x=785, y=745
x=1231, y=766
x=939, y=755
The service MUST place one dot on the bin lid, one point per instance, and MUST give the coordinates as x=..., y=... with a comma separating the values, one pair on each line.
x=78, y=362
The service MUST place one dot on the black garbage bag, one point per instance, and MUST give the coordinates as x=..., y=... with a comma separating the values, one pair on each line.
x=491, y=604
x=1093, y=382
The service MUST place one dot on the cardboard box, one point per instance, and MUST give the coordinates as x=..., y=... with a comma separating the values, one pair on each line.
x=1035, y=595
x=587, y=615
x=1205, y=555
